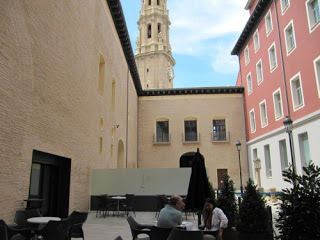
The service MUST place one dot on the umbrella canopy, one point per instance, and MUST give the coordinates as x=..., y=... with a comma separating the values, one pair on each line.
x=198, y=189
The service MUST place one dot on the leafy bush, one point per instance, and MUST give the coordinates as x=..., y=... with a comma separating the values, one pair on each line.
x=227, y=201
x=299, y=215
x=253, y=214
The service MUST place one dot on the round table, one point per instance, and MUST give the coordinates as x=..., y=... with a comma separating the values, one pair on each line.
x=42, y=220
x=118, y=198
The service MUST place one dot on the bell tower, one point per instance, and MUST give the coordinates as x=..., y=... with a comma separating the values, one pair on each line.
x=153, y=51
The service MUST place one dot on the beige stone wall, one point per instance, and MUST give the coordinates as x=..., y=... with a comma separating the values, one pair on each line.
x=49, y=98
x=218, y=155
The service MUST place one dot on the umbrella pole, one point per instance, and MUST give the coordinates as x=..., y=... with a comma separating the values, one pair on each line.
x=199, y=217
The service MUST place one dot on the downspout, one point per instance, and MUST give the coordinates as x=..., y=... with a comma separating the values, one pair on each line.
x=282, y=62
x=127, y=127
x=138, y=130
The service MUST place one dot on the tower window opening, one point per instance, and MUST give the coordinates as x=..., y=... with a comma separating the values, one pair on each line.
x=158, y=2
x=159, y=27
x=149, y=2
x=147, y=70
x=149, y=31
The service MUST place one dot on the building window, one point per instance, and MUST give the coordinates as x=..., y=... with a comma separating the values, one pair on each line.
x=267, y=158
x=259, y=72
x=190, y=131
x=149, y=2
x=316, y=63
x=283, y=155
x=100, y=145
x=252, y=121
x=149, y=31
x=256, y=42
x=277, y=102
x=158, y=2
x=219, y=130
x=249, y=83
x=296, y=92
x=290, y=38
x=284, y=5
x=268, y=22
x=246, y=55
x=272, y=57
x=159, y=28
x=313, y=13
x=263, y=114
x=162, y=131
x=304, y=149
x=102, y=67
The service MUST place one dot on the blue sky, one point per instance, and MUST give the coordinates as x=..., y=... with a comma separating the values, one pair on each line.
x=201, y=36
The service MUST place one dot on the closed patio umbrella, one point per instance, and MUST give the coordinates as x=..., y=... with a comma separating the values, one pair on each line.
x=198, y=189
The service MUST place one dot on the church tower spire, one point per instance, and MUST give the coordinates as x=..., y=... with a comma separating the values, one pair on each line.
x=153, y=51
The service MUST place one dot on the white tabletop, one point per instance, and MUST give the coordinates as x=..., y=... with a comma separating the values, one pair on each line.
x=118, y=197
x=41, y=220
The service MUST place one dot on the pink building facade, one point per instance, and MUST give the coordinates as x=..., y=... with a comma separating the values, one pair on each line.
x=279, y=60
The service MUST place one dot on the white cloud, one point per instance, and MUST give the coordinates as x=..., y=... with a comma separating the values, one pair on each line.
x=195, y=22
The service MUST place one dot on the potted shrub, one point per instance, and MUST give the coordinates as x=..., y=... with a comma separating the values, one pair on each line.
x=254, y=220
x=299, y=212
x=227, y=201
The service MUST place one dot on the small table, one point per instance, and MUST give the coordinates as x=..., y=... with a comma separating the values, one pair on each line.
x=42, y=220
x=118, y=198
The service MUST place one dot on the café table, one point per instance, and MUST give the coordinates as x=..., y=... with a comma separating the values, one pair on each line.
x=42, y=220
x=118, y=198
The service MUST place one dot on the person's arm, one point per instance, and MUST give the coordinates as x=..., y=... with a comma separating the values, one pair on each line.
x=223, y=223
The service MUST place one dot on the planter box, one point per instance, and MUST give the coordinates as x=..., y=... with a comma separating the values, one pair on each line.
x=255, y=236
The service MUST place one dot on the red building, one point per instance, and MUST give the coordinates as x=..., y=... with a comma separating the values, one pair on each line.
x=279, y=59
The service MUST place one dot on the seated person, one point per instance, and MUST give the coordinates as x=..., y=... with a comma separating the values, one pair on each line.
x=170, y=216
x=214, y=218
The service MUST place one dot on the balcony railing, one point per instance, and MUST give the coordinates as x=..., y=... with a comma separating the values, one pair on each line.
x=189, y=139
x=220, y=137
x=162, y=140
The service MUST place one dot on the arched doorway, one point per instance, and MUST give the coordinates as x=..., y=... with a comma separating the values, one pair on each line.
x=186, y=159
x=120, y=159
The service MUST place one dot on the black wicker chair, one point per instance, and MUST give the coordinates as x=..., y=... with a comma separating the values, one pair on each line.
x=179, y=234
x=77, y=221
x=3, y=233
x=128, y=205
x=161, y=202
x=13, y=231
x=55, y=230
x=21, y=217
x=137, y=229
x=159, y=233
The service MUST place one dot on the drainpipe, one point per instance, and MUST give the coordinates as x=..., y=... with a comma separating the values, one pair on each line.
x=127, y=127
x=282, y=62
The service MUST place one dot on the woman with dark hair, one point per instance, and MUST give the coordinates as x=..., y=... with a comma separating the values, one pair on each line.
x=214, y=218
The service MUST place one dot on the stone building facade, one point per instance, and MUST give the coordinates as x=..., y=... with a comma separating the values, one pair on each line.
x=71, y=101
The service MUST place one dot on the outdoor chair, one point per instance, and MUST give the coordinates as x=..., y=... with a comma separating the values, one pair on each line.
x=137, y=229
x=118, y=238
x=13, y=231
x=179, y=234
x=159, y=233
x=105, y=204
x=3, y=233
x=21, y=217
x=128, y=205
x=77, y=221
x=55, y=230
x=161, y=202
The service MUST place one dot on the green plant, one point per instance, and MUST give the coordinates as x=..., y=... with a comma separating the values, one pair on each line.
x=227, y=201
x=253, y=215
x=212, y=191
x=299, y=214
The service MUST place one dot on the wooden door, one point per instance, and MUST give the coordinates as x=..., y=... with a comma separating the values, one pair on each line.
x=221, y=173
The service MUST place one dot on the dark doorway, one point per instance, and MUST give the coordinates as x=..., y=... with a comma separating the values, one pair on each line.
x=50, y=183
x=221, y=173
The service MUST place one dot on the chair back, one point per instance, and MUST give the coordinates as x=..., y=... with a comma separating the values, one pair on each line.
x=21, y=217
x=3, y=233
x=78, y=217
x=129, y=200
x=180, y=234
x=118, y=238
x=54, y=230
x=159, y=233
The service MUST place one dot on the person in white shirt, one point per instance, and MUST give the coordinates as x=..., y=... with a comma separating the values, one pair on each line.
x=214, y=218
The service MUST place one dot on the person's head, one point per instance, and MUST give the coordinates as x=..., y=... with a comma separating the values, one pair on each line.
x=209, y=204
x=176, y=201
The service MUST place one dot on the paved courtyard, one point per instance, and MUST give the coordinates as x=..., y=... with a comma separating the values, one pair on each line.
x=108, y=228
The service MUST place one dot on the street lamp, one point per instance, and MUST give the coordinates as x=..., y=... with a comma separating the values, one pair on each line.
x=288, y=126
x=238, y=144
